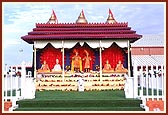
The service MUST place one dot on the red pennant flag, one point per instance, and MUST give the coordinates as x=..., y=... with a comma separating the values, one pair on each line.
x=54, y=14
x=110, y=13
x=82, y=13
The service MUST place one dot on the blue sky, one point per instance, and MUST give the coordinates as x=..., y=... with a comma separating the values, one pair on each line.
x=20, y=18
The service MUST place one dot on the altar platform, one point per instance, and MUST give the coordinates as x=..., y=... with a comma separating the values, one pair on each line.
x=92, y=81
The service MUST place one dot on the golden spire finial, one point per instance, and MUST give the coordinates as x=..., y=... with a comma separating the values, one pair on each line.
x=81, y=18
x=53, y=18
x=110, y=18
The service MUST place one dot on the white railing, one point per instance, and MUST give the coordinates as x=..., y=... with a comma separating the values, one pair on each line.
x=149, y=84
x=151, y=80
x=16, y=84
x=11, y=86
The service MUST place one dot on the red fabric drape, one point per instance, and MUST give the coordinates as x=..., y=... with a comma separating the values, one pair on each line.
x=113, y=54
x=50, y=54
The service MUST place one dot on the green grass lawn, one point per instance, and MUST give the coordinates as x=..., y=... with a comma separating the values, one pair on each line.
x=74, y=95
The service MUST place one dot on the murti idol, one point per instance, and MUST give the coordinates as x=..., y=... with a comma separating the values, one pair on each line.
x=76, y=64
x=87, y=60
x=107, y=67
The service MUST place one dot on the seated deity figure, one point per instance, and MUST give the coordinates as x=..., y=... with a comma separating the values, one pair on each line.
x=76, y=64
x=57, y=66
x=120, y=67
x=107, y=67
x=44, y=67
x=87, y=60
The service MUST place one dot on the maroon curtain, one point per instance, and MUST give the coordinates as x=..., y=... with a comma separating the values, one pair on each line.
x=114, y=53
x=50, y=54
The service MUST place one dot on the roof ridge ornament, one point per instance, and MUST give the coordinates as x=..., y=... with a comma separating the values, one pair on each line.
x=110, y=18
x=53, y=18
x=81, y=18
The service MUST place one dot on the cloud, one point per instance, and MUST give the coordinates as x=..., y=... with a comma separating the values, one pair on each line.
x=97, y=19
x=11, y=42
x=20, y=18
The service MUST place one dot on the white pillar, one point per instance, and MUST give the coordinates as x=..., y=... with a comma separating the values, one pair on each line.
x=100, y=61
x=34, y=61
x=17, y=86
x=6, y=83
x=11, y=80
x=163, y=81
x=135, y=80
x=152, y=77
x=157, y=81
x=147, y=81
x=15, y=80
x=23, y=79
x=129, y=71
x=142, y=80
x=129, y=87
x=63, y=71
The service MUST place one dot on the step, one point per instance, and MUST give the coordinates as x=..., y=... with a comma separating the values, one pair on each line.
x=80, y=109
x=80, y=103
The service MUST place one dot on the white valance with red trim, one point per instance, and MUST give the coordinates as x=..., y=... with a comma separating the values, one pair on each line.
x=72, y=43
